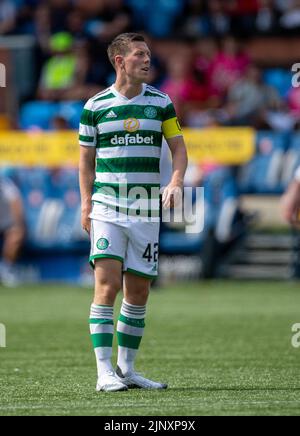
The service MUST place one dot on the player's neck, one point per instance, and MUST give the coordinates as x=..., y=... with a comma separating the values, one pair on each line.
x=128, y=89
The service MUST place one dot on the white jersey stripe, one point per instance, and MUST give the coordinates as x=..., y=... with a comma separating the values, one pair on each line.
x=129, y=178
x=118, y=126
x=130, y=151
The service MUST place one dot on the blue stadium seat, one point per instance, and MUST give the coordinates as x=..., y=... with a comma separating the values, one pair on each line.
x=37, y=114
x=220, y=207
x=280, y=78
x=262, y=175
x=291, y=160
x=34, y=184
x=180, y=243
x=71, y=112
x=156, y=16
x=65, y=187
x=221, y=199
x=40, y=114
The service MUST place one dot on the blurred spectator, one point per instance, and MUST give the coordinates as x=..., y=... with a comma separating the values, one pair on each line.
x=76, y=25
x=25, y=17
x=290, y=201
x=12, y=231
x=182, y=87
x=293, y=100
x=157, y=17
x=59, y=123
x=290, y=19
x=206, y=52
x=206, y=19
x=59, y=11
x=243, y=15
x=249, y=100
x=8, y=12
x=59, y=72
x=63, y=75
x=42, y=27
x=227, y=67
x=266, y=19
x=283, y=5
x=105, y=19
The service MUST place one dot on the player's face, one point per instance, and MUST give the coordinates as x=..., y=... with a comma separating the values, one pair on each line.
x=137, y=62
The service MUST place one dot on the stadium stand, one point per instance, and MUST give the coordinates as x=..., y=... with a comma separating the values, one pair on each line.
x=215, y=39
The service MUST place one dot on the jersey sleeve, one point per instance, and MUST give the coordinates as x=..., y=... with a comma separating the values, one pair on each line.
x=170, y=125
x=87, y=127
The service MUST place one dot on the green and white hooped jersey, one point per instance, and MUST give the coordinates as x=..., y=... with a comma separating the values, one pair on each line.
x=127, y=134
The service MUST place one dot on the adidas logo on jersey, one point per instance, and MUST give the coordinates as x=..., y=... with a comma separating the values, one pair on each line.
x=132, y=139
x=111, y=114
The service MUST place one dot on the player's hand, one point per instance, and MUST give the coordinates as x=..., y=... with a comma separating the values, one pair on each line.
x=86, y=220
x=290, y=204
x=172, y=195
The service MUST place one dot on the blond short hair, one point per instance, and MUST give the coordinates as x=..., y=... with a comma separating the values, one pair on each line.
x=121, y=45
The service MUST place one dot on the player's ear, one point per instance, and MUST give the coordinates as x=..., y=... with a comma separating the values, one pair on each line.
x=119, y=61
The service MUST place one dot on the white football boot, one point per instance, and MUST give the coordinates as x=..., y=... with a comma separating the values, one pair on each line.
x=136, y=381
x=109, y=382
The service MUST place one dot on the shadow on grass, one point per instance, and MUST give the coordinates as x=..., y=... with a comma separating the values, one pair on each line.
x=233, y=389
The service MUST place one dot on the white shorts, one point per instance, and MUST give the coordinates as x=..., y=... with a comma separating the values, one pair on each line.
x=136, y=245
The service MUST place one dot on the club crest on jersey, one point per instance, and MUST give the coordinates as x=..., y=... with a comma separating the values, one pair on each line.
x=131, y=124
x=150, y=112
x=102, y=244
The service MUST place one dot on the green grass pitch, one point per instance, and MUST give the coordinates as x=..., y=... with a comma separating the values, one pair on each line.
x=223, y=347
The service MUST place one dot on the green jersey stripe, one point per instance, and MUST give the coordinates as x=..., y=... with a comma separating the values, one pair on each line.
x=102, y=340
x=101, y=93
x=135, y=194
x=128, y=178
x=128, y=165
x=134, y=212
x=133, y=322
x=87, y=118
x=129, y=341
x=130, y=111
x=140, y=274
x=101, y=321
x=153, y=94
x=84, y=138
x=169, y=112
x=122, y=191
x=105, y=97
x=153, y=89
x=116, y=138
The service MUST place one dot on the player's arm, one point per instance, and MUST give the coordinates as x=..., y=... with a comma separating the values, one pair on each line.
x=86, y=183
x=290, y=201
x=87, y=163
x=173, y=191
x=173, y=135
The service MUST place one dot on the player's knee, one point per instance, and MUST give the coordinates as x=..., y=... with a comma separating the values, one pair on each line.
x=108, y=288
x=137, y=295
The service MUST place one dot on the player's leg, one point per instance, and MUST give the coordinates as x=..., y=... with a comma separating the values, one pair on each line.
x=131, y=323
x=12, y=241
x=107, y=240
x=141, y=267
x=12, y=244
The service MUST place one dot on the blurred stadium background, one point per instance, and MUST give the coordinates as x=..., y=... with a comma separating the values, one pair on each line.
x=227, y=65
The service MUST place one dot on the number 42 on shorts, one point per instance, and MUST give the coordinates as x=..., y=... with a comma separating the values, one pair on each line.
x=151, y=253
